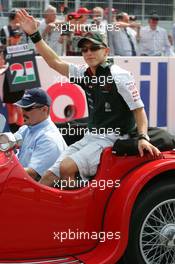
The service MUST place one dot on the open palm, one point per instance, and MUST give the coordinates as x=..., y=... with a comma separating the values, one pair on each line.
x=28, y=23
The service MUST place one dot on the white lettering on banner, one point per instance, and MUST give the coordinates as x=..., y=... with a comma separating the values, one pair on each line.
x=153, y=80
x=17, y=48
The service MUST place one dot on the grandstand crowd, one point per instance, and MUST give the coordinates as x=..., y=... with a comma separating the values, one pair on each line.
x=125, y=35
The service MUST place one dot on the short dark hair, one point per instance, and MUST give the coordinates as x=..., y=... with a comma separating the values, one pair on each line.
x=120, y=16
x=154, y=16
x=12, y=14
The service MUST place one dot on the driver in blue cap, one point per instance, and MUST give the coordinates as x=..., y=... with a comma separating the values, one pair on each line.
x=42, y=142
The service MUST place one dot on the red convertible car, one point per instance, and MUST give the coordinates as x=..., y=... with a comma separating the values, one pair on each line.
x=125, y=214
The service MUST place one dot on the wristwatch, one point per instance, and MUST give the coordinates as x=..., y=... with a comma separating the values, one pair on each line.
x=144, y=136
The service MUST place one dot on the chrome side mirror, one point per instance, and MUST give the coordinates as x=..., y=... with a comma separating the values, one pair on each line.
x=9, y=141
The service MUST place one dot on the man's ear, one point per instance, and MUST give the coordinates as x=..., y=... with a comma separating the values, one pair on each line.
x=107, y=51
x=45, y=108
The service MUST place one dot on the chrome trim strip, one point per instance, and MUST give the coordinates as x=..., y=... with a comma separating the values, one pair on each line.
x=56, y=261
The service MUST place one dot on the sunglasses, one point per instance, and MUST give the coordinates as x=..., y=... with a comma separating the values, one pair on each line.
x=92, y=48
x=28, y=109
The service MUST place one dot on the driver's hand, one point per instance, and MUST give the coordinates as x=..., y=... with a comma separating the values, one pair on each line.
x=145, y=145
x=28, y=23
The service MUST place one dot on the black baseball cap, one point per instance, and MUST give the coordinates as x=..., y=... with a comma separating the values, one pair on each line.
x=95, y=37
x=33, y=97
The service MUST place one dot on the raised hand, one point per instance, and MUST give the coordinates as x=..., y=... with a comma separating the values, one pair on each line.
x=28, y=23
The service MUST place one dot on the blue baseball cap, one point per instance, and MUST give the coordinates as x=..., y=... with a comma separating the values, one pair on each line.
x=34, y=96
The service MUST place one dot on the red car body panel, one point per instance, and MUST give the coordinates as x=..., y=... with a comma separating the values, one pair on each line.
x=119, y=209
x=31, y=212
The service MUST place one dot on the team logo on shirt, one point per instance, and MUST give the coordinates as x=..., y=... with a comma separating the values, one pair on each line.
x=107, y=107
x=134, y=91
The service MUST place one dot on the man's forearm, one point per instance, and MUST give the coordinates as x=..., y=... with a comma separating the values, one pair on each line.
x=143, y=139
x=52, y=58
x=49, y=179
x=141, y=120
x=46, y=52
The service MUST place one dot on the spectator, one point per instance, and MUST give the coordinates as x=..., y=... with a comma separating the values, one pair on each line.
x=133, y=23
x=98, y=20
x=173, y=33
x=78, y=26
x=42, y=142
x=49, y=28
x=11, y=34
x=153, y=39
x=76, y=29
x=3, y=68
x=84, y=12
x=70, y=35
x=73, y=17
x=114, y=12
x=170, y=38
x=123, y=41
x=2, y=61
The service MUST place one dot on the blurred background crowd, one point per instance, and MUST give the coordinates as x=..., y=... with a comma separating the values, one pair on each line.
x=132, y=27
